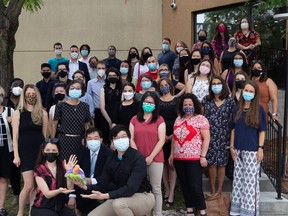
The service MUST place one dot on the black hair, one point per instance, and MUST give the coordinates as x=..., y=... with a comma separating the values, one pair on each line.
x=74, y=46
x=224, y=93
x=65, y=64
x=263, y=76
x=118, y=83
x=45, y=65
x=93, y=130
x=87, y=46
x=142, y=61
x=73, y=82
x=137, y=54
x=129, y=75
x=118, y=128
x=212, y=51
x=57, y=44
x=196, y=104
x=245, y=66
x=132, y=86
x=155, y=113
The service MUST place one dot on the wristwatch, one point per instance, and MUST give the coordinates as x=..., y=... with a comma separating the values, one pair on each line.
x=274, y=114
x=261, y=146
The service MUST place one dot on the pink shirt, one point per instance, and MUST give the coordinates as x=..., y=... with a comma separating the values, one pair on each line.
x=188, y=138
x=146, y=137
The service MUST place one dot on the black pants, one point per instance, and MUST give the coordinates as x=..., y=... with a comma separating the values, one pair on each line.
x=83, y=204
x=189, y=174
x=48, y=212
x=98, y=118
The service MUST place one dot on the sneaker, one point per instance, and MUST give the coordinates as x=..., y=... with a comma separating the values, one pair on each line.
x=3, y=212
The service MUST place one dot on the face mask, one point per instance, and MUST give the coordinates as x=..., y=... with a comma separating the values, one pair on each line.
x=244, y=26
x=17, y=91
x=221, y=28
x=111, y=52
x=75, y=93
x=46, y=75
x=31, y=99
x=59, y=97
x=179, y=49
x=146, y=85
x=184, y=59
x=248, y=96
x=202, y=38
x=124, y=70
x=216, y=89
x=165, y=89
x=152, y=66
x=121, y=144
x=165, y=47
x=206, y=50
x=92, y=65
x=50, y=157
x=232, y=43
x=58, y=51
x=188, y=110
x=148, y=108
x=163, y=74
x=1, y=100
x=204, y=69
x=195, y=61
x=128, y=95
x=62, y=74
x=74, y=55
x=112, y=80
x=84, y=52
x=93, y=145
x=146, y=56
x=101, y=72
x=256, y=72
x=132, y=55
x=240, y=84
x=238, y=62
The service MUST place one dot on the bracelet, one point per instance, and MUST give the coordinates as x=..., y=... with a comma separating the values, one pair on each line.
x=202, y=156
x=274, y=114
x=261, y=146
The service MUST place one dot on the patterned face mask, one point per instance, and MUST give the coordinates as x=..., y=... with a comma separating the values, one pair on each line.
x=31, y=99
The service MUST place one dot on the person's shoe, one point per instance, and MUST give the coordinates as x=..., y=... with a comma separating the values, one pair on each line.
x=3, y=212
x=15, y=200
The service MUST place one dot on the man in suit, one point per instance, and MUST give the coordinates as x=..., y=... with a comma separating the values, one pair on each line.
x=75, y=64
x=91, y=159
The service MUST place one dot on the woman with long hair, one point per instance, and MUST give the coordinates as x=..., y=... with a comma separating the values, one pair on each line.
x=220, y=40
x=29, y=123
x=238, y=85
x=208, y=52
x=148, y=131
x=126, y=72
x=192, y=67
x=184, y=60
x=133, y=57
x=246, y=146
x=52, y=192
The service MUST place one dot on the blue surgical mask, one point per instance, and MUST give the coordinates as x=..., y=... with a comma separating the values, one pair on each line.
x=111, y=52
x=248, y=96
x=206, y=50
x=93, y=145
x=123, y=70
x=152, y=66
x=75, y=93
x=84, y=52
x=165, y=47
x=121, y=144
x=188, y=110
x=238, y=62
x=146, y=84
x=216, y=89
x=148, y=107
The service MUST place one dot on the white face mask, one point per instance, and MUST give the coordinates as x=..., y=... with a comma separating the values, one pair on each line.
x=58, y=51
x=121, y=144
x=244, y=25
x=101, y=72
x=74, y=55
x=128, y=95
x=178, y=49
x=17, y=91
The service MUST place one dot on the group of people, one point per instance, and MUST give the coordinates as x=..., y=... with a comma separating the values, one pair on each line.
x=134, y=123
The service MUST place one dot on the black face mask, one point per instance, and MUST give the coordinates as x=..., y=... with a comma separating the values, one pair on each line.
x=92, y=65
x=184, y=59
x=62, y=74
x=59, y=97
x=112, y=80
x=240, y=84
x=256, y=72
x=50, y=157
x=132, y=55
x=195, y=61
x=202, y=38
x=146, y=56
x=46, y=75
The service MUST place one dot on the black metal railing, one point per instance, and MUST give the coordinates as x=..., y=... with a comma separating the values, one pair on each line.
x=274, y=154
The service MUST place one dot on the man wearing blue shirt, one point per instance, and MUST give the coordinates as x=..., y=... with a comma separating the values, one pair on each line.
x=166, y=56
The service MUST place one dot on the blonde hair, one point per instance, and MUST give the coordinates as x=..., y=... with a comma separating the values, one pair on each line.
x=37, y=111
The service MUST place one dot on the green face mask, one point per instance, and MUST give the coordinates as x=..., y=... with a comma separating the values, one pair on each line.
x=148, y=108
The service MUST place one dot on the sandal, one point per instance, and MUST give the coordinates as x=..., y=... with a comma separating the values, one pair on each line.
x=169, y=204
x=190, y=213
x=165, y=199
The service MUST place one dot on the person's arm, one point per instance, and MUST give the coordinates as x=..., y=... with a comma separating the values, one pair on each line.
x=232, y=148
x=161, y=141
x=15, y=129
x=188, y=87
x=180, y=86
x=102, y=107
x=132, y=142
x=224, y=74
x=205, y=145
x=260, y=154
x=220, y=62
x=53, y=128
x=185, y=76
x=273, y=92
x=258, y=41
x=44, y=123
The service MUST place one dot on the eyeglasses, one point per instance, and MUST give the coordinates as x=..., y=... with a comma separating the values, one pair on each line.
x=123, y=136
x=51, y=140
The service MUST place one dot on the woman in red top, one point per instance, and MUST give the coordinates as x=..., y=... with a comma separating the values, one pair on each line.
x=189, y=147
x=148, y=132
